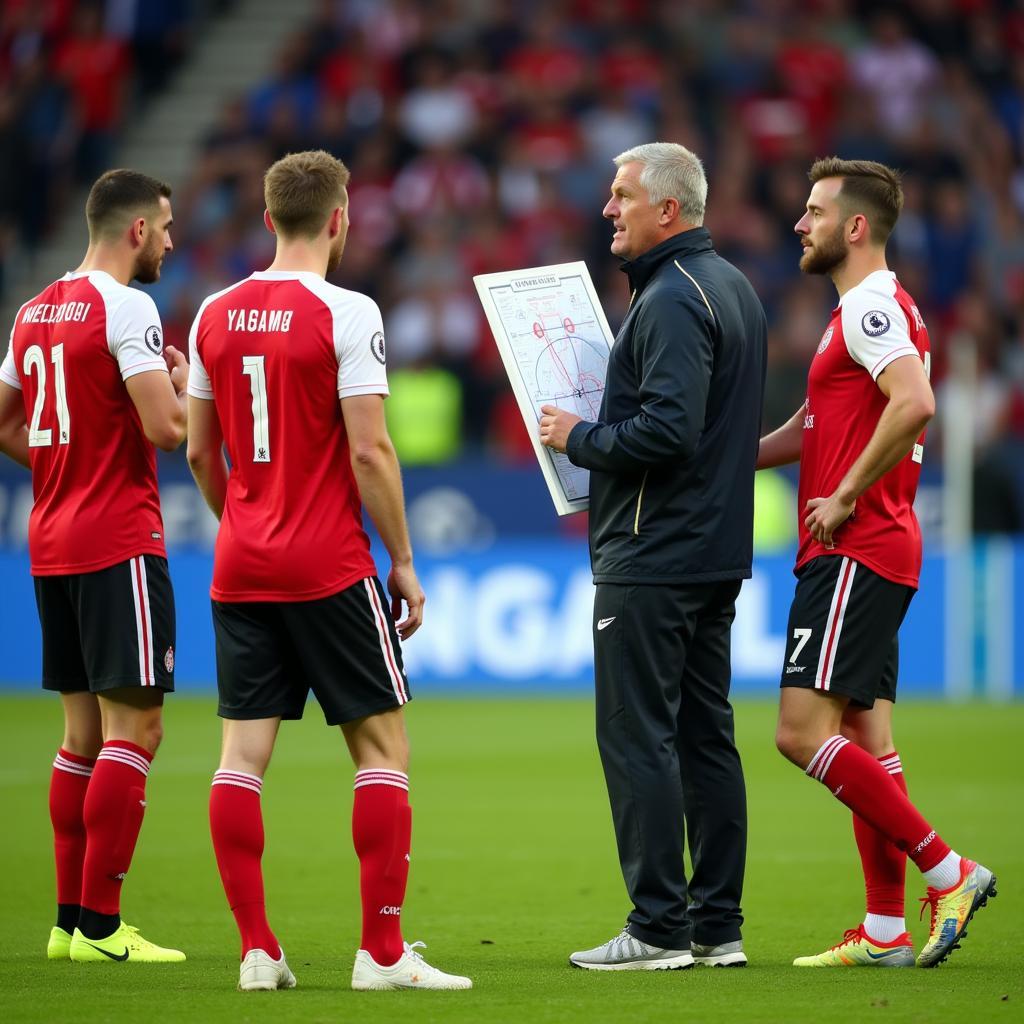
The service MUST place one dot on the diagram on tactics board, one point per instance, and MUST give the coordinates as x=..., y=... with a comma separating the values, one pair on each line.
x=555, y=342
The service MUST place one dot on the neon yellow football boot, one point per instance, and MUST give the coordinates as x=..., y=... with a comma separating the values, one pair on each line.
x=952, y=910
x=858, y=949
x=126, y=944
x=59, y=946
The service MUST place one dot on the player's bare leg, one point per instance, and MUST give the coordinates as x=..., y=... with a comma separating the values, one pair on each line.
x=114, y=807
x=382, y=834
x=809, y=735
x=69, y=782
x=236, y=825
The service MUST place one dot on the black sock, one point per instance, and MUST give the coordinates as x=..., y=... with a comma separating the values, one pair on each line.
x=67, y=916
x=98, y=926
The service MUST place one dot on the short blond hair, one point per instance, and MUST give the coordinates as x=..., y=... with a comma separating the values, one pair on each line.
x=302, y=189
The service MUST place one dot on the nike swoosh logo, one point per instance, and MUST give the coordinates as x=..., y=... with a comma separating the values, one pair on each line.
x=880, y=956
x=604, y=623
x=113, y=956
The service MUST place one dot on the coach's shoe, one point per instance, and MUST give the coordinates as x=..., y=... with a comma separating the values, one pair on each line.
x=725, y=954
x=858, y=949
x=627, y=953
x=126, y=944
x=260, y=972
x=59, y=946
x=952, y=910
x=411, y=971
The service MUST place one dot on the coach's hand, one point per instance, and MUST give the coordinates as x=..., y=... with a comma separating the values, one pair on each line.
x=826, y=515
x=404, y=586
x=555, y=425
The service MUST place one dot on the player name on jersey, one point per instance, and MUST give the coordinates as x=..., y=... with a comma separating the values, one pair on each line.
x=47, y=313
x=255, y=320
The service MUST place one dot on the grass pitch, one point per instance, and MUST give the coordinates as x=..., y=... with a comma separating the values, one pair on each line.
x=513, y=867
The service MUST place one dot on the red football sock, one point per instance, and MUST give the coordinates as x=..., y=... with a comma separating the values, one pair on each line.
x=885, y=865
x=381, y=832
x=856, y=779
x=114, y=807
x=68, y=786
x=236, y=824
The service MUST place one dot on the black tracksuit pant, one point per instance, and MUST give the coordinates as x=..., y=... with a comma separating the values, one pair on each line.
x=665, y=733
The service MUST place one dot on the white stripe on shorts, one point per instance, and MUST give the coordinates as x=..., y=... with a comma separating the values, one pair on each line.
x=834, y=624
x=148, y=620
x=137, y=604
x=384, y=639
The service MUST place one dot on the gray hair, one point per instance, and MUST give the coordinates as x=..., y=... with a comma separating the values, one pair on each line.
x=671, y=171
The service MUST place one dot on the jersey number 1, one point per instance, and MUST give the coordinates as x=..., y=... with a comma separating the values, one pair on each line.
x=253, y=368
x=35, y=362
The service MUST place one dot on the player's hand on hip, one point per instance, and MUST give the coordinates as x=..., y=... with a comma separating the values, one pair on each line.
x=177, y=366
x=404, y=586
x=825, y=516
x=555, y=426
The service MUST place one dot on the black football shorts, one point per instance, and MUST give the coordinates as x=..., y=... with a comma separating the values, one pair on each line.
x=107, y=629
x=344, y=648
x=843, y=630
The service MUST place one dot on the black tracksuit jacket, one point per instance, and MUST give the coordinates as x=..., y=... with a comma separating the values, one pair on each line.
x=672, y=458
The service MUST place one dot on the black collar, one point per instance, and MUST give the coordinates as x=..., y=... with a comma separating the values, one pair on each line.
x=686, y=243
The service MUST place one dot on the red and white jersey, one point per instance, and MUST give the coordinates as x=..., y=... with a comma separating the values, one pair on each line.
x=93, y=469
x=275, y=353
x=875, y=323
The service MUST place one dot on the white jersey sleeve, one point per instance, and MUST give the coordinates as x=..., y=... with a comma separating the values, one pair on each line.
x=874, y=325
x=358, y=338
x=9, y=368
x=199, y=385
x=359, y=346
x=134, y=335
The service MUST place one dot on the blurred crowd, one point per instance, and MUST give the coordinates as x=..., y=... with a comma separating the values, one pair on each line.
x=480, y=135
x=70, y=72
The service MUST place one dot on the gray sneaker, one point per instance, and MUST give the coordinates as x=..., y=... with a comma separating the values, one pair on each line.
x=727, y=954
x=627, y=953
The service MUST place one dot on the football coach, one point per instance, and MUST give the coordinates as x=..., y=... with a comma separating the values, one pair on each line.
x=671, y=537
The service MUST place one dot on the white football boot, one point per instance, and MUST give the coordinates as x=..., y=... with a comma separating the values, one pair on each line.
x=260, y=972
x=411, y=971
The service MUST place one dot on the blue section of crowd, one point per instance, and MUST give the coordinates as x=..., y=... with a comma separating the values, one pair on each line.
x=517, y=617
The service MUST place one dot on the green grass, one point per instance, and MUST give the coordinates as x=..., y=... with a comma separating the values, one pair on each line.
x=513, y=867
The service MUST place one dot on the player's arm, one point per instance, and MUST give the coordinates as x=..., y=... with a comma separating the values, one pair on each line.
x=910, y=406
x=206, y=453
x=160, y=400
x=13, y=428
x=783, y=445
x=375, y=466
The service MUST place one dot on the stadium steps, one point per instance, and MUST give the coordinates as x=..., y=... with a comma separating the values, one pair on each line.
x=235, y=51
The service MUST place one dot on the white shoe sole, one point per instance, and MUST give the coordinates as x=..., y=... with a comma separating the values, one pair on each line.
x=736, y=959
x=266, y=985
x=388, y=986
x=675, y=963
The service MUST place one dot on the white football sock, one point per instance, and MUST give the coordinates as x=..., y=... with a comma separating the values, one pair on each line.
x=884, y=928
x=946, y=873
